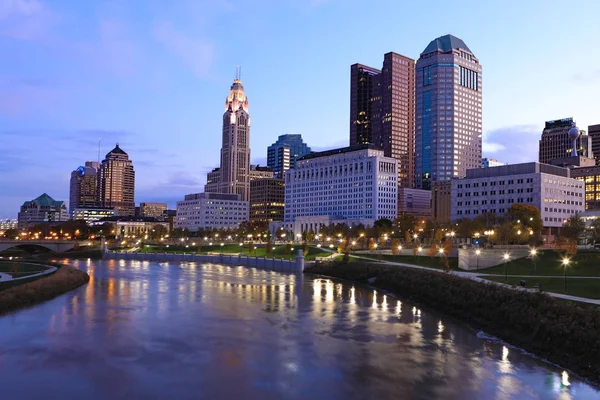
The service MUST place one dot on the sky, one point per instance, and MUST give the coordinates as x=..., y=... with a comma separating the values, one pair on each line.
x=153, y=76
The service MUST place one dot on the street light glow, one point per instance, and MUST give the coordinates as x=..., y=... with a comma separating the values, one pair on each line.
x=506, y=256
x=477, y=252
x=533, y=252
x=565, y=261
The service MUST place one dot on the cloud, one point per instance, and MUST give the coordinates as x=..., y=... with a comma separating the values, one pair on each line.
x=196, y=52
x=25, y=19
x=586, y=77
x=24, y=96
x=513, y=144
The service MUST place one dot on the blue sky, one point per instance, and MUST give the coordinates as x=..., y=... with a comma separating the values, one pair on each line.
x=153, y=75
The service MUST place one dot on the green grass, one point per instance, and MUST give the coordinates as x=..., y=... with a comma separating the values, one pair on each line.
x=548, y=263
x=581, y=287
x=260, y=251
x=423, y=261
x=24, y=269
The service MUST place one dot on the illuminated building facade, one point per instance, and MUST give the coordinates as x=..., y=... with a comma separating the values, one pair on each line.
x=211, y=211
x=267, y=200
x=92, y=214
x=83, y=191
x=590, y=176
x=155, y=210
x=116, y=183
x=43, y=209
x=555, y=141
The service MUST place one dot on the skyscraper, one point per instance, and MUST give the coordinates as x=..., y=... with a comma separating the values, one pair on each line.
x=116, y=182
x=282, y=154
x=594, y=132
x=382, y=110
x=448, y=111
x=83, y=192
x=235, y=152
x=555, y=141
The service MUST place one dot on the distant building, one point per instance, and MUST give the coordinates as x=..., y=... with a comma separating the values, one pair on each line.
x=42, y=209
x=282, y=154
x=134, y=227
x=440, y=201
x=156, y=210
x=169, y=217
x=590, y=177
x=83, y=190
x=213, y=181
x=8, y=224
x=116, y=182
x=551, y=189
x=258, y=172
x=490, y=162
x=267, y=200
x=211, y=211
x=91, y=214
x=555, y=141
x=414, y=202
x=448, y=111
x=352, y=185
x=594, y=133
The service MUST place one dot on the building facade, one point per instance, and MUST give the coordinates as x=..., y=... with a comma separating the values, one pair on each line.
x=356, y=183
x=490, y=162
x=211, y=211
x=116, y=183
x=8, y=224
x=555, y=141
x=91, y=214
x=235, y=151
x=154, y=210
x=83, y=188
x=382, y=110
x=594, y=133
x=267, y=200
x=590, y=177
x=282, y=154
x=550, y=188
x=258, y=172
x=414, y=202
x=43, y=209
x=440, y=201
x=448, y=111
x=213, y=181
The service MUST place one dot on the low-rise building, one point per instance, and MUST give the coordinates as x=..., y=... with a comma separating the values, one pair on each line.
x=135, y=227
x=211, y=211
x=258, y=172
x=267, y=199
x=93, y=214
x=154, y=210
x=590, y=177
x=495, y=189
x=440, y=201
x=8, y=224
x=414, y=202
x=351, y=185
x=42, y=209
x=490, y=162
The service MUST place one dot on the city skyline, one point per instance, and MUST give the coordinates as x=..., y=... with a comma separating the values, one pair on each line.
x=154, y=84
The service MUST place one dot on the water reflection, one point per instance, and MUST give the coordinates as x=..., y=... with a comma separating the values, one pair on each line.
x=193, y=330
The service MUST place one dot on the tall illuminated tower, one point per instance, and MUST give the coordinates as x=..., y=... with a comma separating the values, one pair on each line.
x=235, y=152
x=116, y=182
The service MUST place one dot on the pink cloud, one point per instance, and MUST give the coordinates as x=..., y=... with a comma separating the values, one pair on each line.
x=26, y=19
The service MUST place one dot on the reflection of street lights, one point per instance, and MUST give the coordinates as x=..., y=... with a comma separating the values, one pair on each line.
x=506, y=259
x=565, y=263
x=477, y=253
x=533, y=253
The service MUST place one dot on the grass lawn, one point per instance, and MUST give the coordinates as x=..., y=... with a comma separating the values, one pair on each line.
x=589, y=288
x=424, y=261
x=548, y=263
x=260, y=251
x=23, y=269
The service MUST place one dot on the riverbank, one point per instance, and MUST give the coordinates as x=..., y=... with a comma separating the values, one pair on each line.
x=66, y=278
x=559, y=332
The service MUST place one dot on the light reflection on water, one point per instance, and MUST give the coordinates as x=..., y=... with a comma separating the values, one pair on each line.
x=165, y=330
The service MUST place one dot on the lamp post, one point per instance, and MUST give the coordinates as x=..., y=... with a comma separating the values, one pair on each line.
x=506, y=259
x=533, y=253
x=477, y=253
x=565, y=263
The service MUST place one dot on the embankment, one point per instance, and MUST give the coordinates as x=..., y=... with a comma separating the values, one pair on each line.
x=66, y=278
x=560, y=332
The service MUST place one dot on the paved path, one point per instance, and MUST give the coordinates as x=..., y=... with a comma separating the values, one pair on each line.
x=480, y=278
x=5, y=277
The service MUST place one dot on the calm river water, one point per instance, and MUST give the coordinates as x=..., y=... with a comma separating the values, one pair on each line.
x=191, y=331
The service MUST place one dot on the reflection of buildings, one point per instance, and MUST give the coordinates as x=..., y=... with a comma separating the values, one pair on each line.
x=43, y=209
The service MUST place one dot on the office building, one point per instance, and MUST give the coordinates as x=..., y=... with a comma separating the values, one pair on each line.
x=490, y=162
x=213, y=181
x=440, y=201
x=551, y=189
x=235, y=152
x=556, y=143
x=8, y=224
x=282, y=154
x=116, y=183
x=267, y=199
x=382, y=110
x=414, y=202
x=155, y=210
x=43, y=209
x=258, y=172
x=590, y=177
x=211, y=211
x=594, y=133
x=448, y=111
x=351, y=185
x=135, y=228
x=91, y=214
x=83, y=188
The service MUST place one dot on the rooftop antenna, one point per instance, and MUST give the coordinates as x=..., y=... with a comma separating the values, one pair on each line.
x=240, y=73
x=99, y=140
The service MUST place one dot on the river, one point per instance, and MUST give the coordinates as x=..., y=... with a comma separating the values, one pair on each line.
x=204, y=331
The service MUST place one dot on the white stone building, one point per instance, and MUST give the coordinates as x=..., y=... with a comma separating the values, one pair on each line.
x=352, y=185
x=211, y=211
x=495, y=189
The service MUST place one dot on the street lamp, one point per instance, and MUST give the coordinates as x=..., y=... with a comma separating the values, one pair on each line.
x=565, y=263
x=506, y=259
x=441, y=251
x=477, y=253
x=533, y=253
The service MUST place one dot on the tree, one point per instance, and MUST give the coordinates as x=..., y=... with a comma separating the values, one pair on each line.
x=158, y=231
x=527, y=216
x=573, y=228
x=288, y=249
x=395, y=247
x=250, y=248
x=438, y=235
x=465, y=228
x=447, y=246
x=405, y=223
x=432, y=251
x=342, y=246
x=407, y=237
x=372, y=244
x=310, y=235
x=11, y=233
x=594, y=232
x=269, y=248
x=305, y=249
x=505, y=233
x=383, y=223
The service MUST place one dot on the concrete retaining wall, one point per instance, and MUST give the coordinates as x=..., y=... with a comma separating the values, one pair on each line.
x=270, y=264
x=469, y=260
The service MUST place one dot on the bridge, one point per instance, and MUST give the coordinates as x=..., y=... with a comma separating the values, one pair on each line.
x=57, y=246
